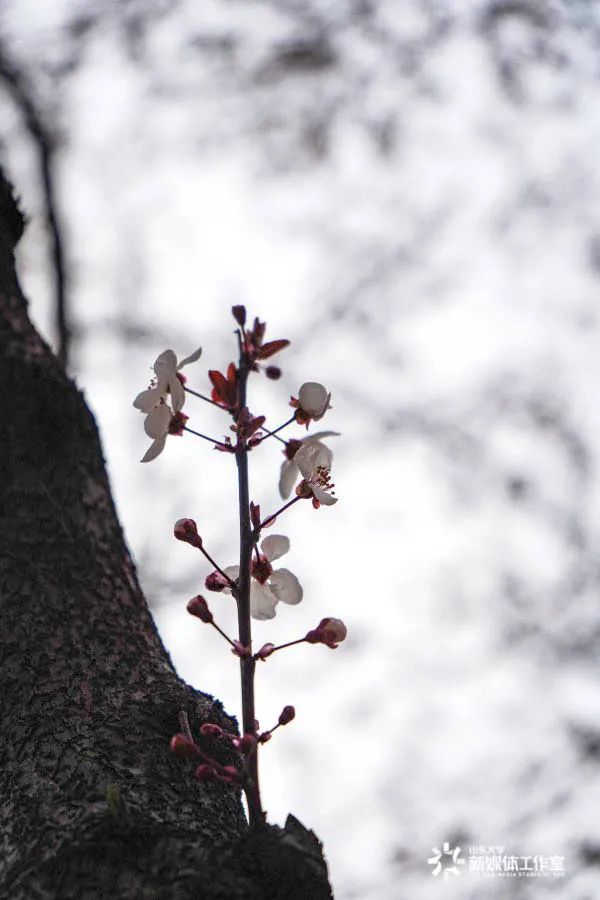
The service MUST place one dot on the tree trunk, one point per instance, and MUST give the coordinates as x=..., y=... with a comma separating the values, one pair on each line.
x=92, y=804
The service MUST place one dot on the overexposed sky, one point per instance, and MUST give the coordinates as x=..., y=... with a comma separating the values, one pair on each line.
x=436, y=266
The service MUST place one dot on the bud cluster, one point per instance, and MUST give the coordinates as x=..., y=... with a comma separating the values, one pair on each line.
x=256, y=584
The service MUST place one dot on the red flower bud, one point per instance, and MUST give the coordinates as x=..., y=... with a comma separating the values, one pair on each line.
x=255, y=514
x=239, y=314
x=264, y=737
x=187, y=531
x=273, y=372
x=329, y=631
x=211, y=730
x=287, y=714
x=240, y=650
x=215, y=582
x=181, y=745
x=198, y=607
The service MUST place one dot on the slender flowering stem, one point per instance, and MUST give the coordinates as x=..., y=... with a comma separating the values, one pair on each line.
x=270, y=519
x=218, y=568
x=206, y=438
x=282, y=647
x=247, y=663
x=268, y=434
x=222, y=633
x=202, y=397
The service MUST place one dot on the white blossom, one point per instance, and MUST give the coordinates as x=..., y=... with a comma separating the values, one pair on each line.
x=314, y=461
x=268, y=587
x=313, y=399
x=289, y=468
x=159, y=414
x=157, y=425
x=166, y=368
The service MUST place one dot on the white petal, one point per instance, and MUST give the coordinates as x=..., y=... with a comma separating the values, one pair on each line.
x=177, y=393
x=191, y=358
x=262, y=601
x=313, y=398
x=165, y=365
x=320, y=434
x=158, y=421
x=155, y=449
x=322, y=496
x=286, y=586
x=312, y=455
x=148, y=399
x=287, y=477
x=233, y=573
x=274, y=546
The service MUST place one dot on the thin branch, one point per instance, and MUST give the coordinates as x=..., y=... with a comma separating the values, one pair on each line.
x=206, y=399
x=205, y=437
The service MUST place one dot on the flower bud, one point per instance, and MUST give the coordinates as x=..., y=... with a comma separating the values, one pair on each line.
x=198, y=607
x=240, y=650
x=313, y=400
x=287, y=714
x=239, y=314
x=273, y=372
x=216, y=582
x=205, y=772
x=329, y=631
x=211, y=730
x=187, y=531
x=265, y=651
x=181, y=745
x=255, y=514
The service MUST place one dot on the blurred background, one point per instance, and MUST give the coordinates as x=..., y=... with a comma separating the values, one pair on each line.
x=410, y=194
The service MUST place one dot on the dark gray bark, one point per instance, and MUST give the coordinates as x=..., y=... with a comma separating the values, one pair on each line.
x=92, y=804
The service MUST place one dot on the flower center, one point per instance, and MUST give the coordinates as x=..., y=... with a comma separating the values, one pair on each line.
x=261, y=569
x=322, y=478
x=178, y=423
x=292, y=447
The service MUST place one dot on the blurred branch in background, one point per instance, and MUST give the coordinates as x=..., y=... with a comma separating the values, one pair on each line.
x=45, y=144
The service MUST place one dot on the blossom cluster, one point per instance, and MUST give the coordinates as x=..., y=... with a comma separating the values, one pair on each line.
x=255, y=584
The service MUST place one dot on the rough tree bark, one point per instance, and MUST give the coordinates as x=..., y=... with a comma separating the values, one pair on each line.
x=91, y=802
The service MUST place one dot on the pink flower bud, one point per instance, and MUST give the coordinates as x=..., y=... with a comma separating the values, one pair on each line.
x=264, y=737
x=181, y=745
x=205, y=772
x=186, y=530
x=255, y=514
x=239, y=314
x=240, y=650
x=265, y=651
x=287, y=714
x=329, y=631
x=211, y=730
x=273, y=372
x=198, y=607
x=216, y=582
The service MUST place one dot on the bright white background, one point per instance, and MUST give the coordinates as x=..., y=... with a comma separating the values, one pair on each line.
x=416, y=208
